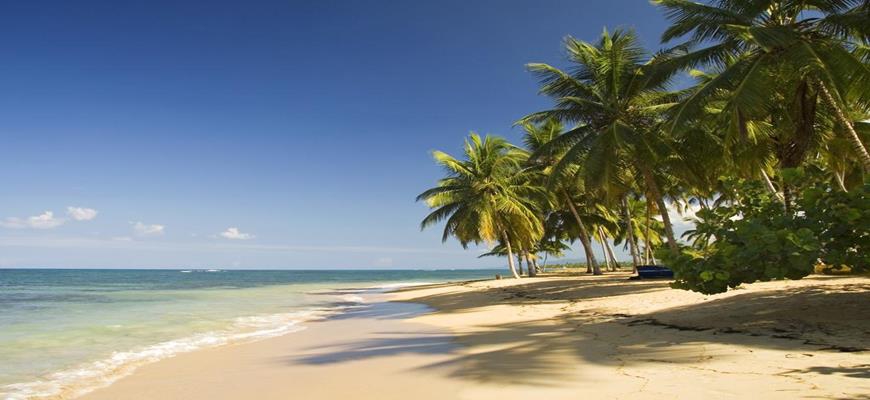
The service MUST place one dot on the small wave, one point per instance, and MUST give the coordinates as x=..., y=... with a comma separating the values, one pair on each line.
x=399, y=285
x=87, y=377
x=352, y=298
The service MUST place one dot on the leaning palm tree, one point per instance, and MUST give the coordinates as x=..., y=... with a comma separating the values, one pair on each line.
x=536, y=137
x=617, y=105
x=781, y=61
x=486, y=197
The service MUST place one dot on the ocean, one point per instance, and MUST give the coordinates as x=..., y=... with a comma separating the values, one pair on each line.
x=68, y=331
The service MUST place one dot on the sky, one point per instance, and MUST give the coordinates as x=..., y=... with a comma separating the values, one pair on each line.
x=260, y=134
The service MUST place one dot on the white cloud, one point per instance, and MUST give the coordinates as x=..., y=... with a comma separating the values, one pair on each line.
x=81, y=213
x=148, y=229
x=234, y=234
x=45, y=220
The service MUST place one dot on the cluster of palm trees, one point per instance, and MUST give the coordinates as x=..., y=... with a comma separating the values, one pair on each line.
x=778, y=84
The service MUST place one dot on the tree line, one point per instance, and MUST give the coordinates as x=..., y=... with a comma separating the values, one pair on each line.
x=768, y=143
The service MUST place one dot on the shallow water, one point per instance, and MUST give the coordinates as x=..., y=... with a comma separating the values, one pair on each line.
x=69, y=331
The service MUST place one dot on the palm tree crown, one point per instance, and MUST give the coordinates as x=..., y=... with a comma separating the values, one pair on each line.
x=486, y=196
x=616, y=103
x=774, y=60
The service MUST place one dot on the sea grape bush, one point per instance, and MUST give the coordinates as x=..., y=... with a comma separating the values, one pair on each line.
x=755, y=239
x=841, y=222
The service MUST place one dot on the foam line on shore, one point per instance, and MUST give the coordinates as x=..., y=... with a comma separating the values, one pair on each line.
x=83, y=378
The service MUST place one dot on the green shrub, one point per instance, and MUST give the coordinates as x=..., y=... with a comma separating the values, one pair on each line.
x=755, y=239
x=841, y=222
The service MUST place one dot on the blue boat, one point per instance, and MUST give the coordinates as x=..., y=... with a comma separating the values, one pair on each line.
x=654, y=271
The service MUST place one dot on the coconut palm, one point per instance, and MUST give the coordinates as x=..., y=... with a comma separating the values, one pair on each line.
x=616, y=104
x=781, y=61
x=551, y=247
x=644, y=229
x=757, y=146
x=486, y=197
x=566, y=193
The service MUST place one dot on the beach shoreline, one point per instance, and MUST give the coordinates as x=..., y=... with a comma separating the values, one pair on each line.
x=558, y=337
x=335, y=357
x=67, y=332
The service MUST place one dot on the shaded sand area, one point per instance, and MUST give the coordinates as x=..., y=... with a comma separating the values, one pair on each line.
x=552, y=337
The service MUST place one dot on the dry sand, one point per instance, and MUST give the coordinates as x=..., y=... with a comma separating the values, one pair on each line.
x=550, y=338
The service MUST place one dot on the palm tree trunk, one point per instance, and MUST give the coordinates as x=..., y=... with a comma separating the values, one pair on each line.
x=520, y=252
x=520, y=262
x=584, y=239
x=637, y=249
x=604, y=252
x=840, y=182
x=629, y=234
x=529, y=266
x=610, y=252
x=510, y=255
x=647, y=251
x=769, y=184
x=654, y=191
x=854, y=139
x=613, y=256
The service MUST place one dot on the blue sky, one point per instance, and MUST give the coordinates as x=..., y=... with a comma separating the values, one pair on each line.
x=148, y=130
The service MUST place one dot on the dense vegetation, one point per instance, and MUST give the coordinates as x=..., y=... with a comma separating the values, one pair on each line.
x=767, y=146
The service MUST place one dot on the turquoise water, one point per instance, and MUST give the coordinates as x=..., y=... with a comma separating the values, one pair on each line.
x=64, y=332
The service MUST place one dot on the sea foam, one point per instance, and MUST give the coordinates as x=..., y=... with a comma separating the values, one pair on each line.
x=87, y=377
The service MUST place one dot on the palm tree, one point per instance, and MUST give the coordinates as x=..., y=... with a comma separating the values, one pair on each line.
x=616, y=104
x=500, y=250
x=643, y=228
x=486, y=197
x=537, y=136
x=550, y=246
x=780, y=61
x=713, y=143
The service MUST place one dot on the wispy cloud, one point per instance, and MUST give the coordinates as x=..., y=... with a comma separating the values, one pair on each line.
x=46, y=220
x=81, y=213
x=233, y=233
x=148, y=229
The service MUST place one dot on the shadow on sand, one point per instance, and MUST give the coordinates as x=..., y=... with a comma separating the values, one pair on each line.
x=794, y=320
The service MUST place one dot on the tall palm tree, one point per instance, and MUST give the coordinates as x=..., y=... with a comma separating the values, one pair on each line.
x=486, y=197
x=536, y=137
x=780, y=62
x=616, y=104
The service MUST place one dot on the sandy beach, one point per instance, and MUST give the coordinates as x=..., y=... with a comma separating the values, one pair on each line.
x=551, y=337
